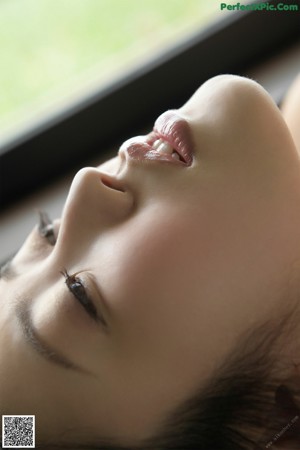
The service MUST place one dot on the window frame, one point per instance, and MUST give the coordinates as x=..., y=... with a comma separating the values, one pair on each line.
x=114, y=112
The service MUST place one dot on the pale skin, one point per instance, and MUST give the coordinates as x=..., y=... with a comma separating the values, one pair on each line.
x=186, y=258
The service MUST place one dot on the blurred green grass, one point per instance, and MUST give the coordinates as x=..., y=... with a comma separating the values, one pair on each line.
x=49, y=47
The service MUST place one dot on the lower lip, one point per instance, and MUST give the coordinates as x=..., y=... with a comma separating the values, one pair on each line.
x=141, y=153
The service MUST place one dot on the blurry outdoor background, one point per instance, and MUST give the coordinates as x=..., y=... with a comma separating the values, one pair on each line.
x=52, y=51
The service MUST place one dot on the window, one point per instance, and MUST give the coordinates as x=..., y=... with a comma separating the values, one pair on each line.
x=54, y=51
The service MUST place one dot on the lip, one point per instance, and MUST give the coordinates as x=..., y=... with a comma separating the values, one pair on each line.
x=170, y=127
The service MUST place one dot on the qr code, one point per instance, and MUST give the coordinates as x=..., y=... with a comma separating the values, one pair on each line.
x=18, y=431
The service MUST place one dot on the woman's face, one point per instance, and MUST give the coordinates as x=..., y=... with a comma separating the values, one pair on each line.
x=178, y=259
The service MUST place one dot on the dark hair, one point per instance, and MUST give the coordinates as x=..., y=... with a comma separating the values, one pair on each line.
x=245, y=404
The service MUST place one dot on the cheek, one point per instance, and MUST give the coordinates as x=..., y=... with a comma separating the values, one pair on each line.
x=164, y=263
x=159, y=285
x=146, y=255
x=152, y=272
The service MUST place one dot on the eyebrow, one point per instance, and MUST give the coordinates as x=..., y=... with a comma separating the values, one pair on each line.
x=23, y=316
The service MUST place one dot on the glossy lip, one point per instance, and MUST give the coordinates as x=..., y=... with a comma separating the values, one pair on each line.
x=172, y=128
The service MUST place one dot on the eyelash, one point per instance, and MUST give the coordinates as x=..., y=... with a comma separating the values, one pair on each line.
x=74, y=283
x=77, y=288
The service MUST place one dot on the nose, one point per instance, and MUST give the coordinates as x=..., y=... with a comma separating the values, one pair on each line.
x=96, y=202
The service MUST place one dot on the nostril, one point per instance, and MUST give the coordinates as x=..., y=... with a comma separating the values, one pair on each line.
x=111, y=182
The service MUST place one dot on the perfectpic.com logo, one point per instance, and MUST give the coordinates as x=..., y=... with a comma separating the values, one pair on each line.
x=260, y=6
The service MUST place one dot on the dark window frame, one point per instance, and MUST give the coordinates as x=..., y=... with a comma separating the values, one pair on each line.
x=102, y=120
